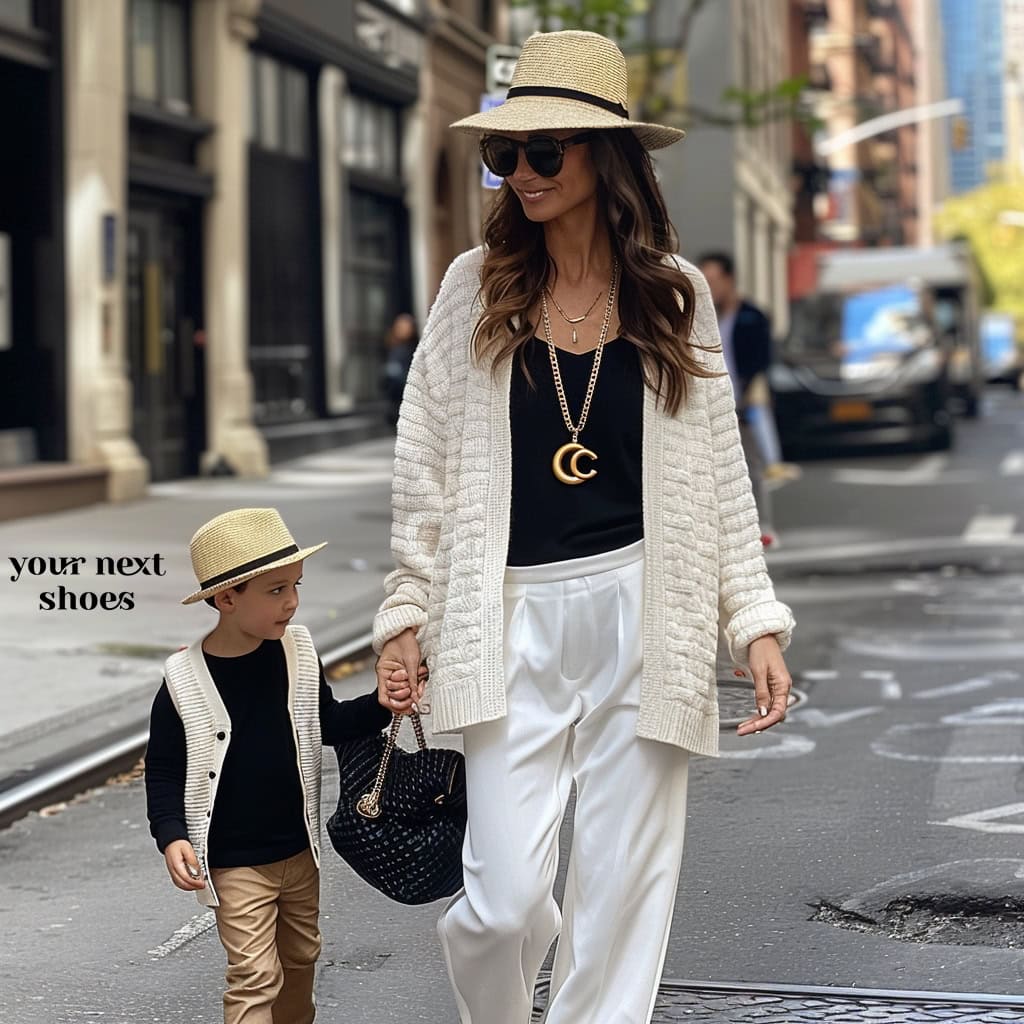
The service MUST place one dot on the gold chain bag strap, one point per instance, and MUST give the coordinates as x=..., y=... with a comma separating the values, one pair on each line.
x=368, y=805
x=401, y=816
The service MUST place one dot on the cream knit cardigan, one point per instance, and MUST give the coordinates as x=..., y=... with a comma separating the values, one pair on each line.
x=450, y=506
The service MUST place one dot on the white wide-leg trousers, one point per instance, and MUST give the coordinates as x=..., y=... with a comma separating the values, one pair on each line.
x=573, y=655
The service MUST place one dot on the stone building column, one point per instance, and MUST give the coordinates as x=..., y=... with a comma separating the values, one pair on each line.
x=331, y=89
x=743, y=256
x=780, y=312
x=99, y=391
x=222, y=31
x=761, y=245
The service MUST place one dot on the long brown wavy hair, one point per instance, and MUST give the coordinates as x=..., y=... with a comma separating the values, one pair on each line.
x=516, y=267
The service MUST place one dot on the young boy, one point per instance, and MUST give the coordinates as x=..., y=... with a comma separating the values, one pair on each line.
x=233, y=764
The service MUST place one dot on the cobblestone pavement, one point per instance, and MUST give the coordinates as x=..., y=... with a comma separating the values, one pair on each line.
x=714, y=1007
x=679, y=1002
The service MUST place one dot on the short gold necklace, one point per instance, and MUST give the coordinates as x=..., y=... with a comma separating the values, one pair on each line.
x=574, y=450
x=573, y=319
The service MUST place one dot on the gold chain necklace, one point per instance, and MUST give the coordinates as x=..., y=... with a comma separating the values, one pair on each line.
x=573, y=319
x=574, y=475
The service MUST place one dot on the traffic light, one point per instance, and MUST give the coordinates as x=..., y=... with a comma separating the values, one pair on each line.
x=961, y=133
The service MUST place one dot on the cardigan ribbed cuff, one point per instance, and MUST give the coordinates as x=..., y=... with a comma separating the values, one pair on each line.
x=391, y=621
x=757, y=620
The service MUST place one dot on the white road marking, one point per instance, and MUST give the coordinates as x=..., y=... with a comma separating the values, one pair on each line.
x=891, y=689
x=185, y=934
x=1012, y=465
x=791, y=745
x=967, y=686
x=984, y=528
x=886, y=746
x=974, y=610
x=982, y=821
x=925, y=471
x=816, y=718
x=923, y=546
x=998, y=712
x=816, y=674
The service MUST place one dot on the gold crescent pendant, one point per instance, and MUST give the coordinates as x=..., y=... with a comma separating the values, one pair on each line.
x=574, y=475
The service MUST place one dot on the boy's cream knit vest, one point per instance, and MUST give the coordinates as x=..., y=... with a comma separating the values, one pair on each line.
x=208, y=735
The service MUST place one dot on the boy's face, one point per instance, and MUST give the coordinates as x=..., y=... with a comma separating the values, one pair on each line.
x=266, y=605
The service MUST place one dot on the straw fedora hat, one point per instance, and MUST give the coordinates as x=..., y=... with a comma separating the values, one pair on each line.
x=568, y=80
x=238, y=545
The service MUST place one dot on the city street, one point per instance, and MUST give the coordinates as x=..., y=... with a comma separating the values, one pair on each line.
x=872, y=841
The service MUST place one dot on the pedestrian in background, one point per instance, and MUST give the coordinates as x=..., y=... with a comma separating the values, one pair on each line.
x=401, y=344
x=233, y=763
x=571, y=508
x=747, y=349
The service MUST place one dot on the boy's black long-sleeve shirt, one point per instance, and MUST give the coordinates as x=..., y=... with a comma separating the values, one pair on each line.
x=258, y=816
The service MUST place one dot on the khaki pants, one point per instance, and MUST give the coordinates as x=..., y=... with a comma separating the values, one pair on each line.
x=267, y=920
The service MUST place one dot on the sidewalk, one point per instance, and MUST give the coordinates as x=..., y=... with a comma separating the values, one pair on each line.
x=69, y=676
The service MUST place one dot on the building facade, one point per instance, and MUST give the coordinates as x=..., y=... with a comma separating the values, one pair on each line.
x=973, y=50
x=730, y=189
x=1013, y=86
x=866, y=60
x=206, y=242
x=33, y=353
x=449, y=181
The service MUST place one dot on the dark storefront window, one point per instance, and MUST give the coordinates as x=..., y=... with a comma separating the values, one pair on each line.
x=280, y=107
x=16, y=12
x=371, y=136
x=160, y=53
x=285, y=318
x=376, y=264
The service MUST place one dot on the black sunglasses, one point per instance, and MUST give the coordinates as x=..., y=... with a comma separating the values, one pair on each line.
x=544, y=153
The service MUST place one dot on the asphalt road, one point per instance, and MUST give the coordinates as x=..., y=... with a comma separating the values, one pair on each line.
x=889, y=804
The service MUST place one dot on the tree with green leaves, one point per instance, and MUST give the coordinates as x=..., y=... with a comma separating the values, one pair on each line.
x=784, y=101
x=990, y=218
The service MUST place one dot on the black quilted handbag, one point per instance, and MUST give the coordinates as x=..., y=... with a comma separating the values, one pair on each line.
x=401, y=817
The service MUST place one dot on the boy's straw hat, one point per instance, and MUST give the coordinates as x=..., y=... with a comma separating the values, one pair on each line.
x=568, y=80
x=241, y=544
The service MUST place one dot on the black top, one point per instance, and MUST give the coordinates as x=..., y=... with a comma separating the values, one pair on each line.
x=552, y=521
x=259, y=812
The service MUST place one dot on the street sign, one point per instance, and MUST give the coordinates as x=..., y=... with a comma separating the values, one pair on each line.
x=501, y=63
x=489, y=101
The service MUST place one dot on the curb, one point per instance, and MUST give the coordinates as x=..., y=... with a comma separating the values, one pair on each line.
x=73, y=771
x=919, y=552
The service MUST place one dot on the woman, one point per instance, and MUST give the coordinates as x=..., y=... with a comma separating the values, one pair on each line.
x=571, y=506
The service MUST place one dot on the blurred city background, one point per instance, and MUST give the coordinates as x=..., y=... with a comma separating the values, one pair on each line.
x=222, y=223
x=212, y=211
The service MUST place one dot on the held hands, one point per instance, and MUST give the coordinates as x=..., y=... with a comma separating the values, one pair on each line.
x=400, y=661
x=179, y=857
x=771, y=686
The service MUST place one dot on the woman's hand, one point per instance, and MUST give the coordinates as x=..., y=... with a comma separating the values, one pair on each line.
x=772, y=684
x=399, y=662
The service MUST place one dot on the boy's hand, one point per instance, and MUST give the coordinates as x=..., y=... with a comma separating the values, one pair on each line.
x=394, y=691
x=179, y=857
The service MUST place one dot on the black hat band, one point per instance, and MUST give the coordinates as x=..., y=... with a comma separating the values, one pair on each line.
x=569, y=94
x=256, y=563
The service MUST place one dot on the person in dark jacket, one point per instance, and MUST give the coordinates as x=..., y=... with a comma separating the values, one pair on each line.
x=401, y=343
x=747, y=348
